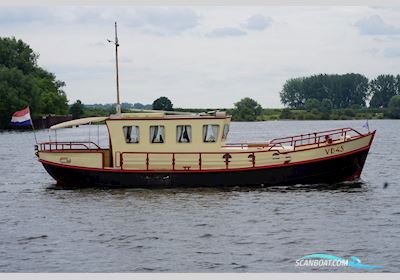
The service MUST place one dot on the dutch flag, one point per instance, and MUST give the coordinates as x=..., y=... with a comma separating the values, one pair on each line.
x=21, y=118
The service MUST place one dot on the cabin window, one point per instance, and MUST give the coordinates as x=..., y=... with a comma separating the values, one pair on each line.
x=183, y=133
x=225, y=132
x=157, y=134
x=210, y=133
x=131, y=134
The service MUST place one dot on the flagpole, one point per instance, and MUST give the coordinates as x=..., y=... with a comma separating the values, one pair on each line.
x=33, y=127
x=366, y=125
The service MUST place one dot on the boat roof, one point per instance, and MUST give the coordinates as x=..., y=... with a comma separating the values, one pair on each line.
x=142, y=115
x=79, y=122
x=163, y=115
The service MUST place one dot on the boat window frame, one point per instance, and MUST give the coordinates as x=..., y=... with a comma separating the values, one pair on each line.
x=163, y=134
x=215, y=136
x=125, y=135
x=189, y=134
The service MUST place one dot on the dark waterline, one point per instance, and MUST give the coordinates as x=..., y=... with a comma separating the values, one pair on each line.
x=44, y=228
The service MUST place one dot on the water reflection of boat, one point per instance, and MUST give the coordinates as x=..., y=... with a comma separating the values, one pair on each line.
x=158, y=150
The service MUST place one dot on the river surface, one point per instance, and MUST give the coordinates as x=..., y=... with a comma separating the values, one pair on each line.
x=47, y=229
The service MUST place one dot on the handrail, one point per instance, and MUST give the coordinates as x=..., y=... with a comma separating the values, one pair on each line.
x=325, y=132
x=299, y=140
x=71, y=145
x=314, y=138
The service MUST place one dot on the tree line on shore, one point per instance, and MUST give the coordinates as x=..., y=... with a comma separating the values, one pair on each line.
x=323, y=95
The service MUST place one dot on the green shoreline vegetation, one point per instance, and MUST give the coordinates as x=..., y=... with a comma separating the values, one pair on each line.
x=24, y=83
x=318, y=97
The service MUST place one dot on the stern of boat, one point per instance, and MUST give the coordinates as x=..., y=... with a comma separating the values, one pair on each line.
x=78, y=154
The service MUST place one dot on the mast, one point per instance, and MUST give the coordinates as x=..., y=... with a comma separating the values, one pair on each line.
x=118, y=106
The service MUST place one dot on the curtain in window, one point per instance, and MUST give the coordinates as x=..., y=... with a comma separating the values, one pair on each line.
x=215, y=132
x=135, y=134
x=210, y=133
x=131, y=134
x=127, y=133
x=157, y=134
x=184, y=134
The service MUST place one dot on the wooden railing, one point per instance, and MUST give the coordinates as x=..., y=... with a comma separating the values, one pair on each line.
x=186, y=161
x=303, y=140
x=315, y=138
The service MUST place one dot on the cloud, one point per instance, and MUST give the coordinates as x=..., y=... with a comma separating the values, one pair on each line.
x=22, y=15
x=372, y=51
x=257, y=22
x=162, y=21
x=97, y=44
x=391, y=52
x=389, y=7
x=226, y=32
x=374, y=25
x=152, y=20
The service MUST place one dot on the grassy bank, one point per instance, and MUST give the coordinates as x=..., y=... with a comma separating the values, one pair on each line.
x=288, y=114
x=336, y=114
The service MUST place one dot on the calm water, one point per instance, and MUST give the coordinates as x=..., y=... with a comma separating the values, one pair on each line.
x=47, y=229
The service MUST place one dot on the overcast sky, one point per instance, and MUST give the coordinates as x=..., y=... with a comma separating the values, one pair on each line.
x=204, y=56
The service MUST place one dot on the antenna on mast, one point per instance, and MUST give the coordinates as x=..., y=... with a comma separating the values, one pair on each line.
x=118, y=107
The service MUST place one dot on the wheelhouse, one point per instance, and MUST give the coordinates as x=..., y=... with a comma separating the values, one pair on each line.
x=158, y=132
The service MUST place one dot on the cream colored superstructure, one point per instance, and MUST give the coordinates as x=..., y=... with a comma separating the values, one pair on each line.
x=170, y=145
x=115, y=127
